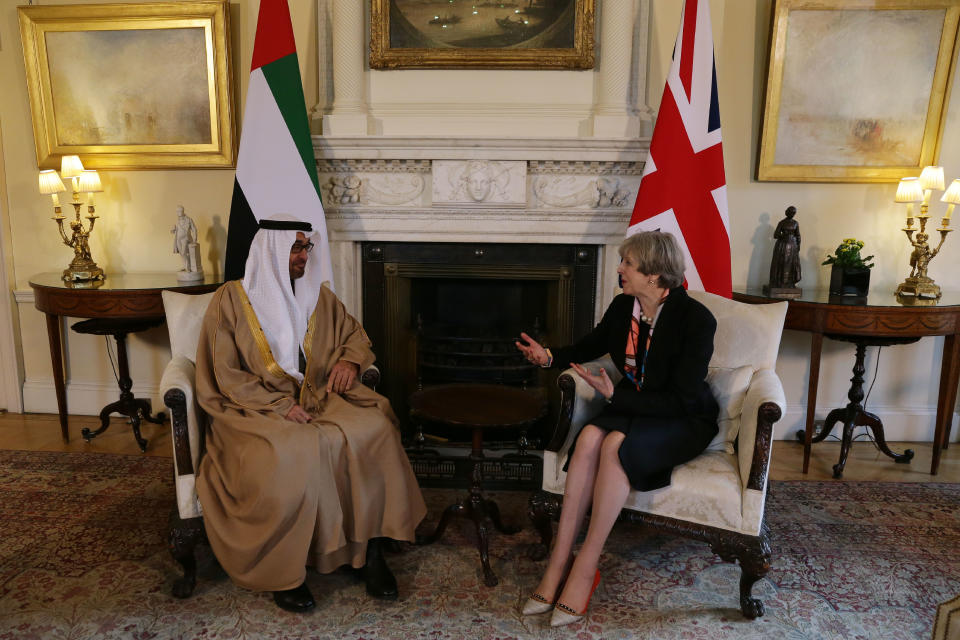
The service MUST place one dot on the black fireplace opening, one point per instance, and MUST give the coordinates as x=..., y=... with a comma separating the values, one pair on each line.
x=439, y=313
x=466, y=329
x=446, y=313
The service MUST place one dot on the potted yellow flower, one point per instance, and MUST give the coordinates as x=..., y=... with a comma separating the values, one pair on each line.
x=849, y=271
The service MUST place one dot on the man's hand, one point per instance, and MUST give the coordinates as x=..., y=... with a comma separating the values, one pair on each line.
x=601, y=382
x=342, y=377
x=297, y=414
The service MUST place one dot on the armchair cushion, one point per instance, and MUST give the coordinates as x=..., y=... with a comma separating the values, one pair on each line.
x=729, y=387
x=747, y=334
x=184, y=316
x=705, y=490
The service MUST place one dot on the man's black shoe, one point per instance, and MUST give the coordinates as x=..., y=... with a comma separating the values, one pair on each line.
x=380, y=581
x=296, y=600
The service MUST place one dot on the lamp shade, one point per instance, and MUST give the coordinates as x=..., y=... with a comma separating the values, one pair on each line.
x=50, y=182
x=909, y=190
x=932, y=178
x=70, y=166
x=89, y=182
x=952, y=194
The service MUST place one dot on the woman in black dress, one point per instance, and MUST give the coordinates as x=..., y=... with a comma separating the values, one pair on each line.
x=662, y=414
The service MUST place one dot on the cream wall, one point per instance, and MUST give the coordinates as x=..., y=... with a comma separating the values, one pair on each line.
x=137, y=211
x=138, y=208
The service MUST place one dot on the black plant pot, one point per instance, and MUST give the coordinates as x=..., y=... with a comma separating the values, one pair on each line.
x=849, y=281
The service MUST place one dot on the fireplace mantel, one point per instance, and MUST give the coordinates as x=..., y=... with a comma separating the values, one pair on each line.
x=442, y=189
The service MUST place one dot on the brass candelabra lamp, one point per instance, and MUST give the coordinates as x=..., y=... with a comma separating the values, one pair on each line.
x=912, y=191
x=82, y=268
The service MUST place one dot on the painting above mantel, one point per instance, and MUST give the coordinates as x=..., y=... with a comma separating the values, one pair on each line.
x=458, y=34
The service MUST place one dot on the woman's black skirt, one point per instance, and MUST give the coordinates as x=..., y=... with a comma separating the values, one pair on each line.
x=654, y=445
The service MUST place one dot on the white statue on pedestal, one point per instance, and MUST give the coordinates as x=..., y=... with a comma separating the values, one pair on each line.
x=185, y=244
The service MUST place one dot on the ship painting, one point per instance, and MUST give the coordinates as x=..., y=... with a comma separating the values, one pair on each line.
x=485, y=24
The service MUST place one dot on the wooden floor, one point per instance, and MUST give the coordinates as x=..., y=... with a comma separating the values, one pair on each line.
x=41, y=432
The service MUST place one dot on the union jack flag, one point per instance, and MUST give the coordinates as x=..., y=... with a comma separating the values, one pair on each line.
x=683, y=189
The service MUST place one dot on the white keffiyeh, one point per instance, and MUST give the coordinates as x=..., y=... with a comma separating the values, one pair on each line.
x=283, y=315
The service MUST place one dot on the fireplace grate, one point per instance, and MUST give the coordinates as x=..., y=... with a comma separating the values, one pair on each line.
x=443, y=359
x=511, y=471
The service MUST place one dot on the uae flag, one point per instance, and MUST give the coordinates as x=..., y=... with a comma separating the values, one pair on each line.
x=276, y=171
x=683, y=189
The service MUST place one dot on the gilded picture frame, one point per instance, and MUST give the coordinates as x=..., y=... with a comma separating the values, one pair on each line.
x=482, y=34
x=856, y=89
x=131, y=86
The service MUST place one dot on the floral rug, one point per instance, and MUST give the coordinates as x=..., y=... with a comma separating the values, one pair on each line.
x=83, y=555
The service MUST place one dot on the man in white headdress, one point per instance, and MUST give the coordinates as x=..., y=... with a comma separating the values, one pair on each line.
x=303, y=464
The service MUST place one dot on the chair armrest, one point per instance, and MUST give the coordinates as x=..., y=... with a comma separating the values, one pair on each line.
x=371, y=377
x=177, y=389
x=763, y=405
x=578, y=403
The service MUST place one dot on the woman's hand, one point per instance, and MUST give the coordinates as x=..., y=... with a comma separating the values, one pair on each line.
x=601, y=382
x=297, y=414
x=342, y=377
x=533, y=351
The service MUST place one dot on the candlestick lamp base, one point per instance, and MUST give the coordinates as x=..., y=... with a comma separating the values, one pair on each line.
x=82, y=270
x=919, y=286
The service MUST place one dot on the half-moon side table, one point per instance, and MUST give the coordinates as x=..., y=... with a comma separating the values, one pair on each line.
x=127, y=301
x=879, y=319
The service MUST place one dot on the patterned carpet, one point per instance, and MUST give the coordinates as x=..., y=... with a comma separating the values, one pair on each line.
x=82, y=555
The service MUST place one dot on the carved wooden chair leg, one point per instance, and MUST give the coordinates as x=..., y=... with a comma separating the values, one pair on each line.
x=754, y=563
x=753, y=554
x=542, y=509
x=183, y=538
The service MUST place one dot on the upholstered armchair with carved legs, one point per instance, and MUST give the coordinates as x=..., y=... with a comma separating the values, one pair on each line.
x=188, y=423
x=719, y=496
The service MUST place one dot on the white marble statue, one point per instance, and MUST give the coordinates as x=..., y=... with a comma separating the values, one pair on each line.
x=185, y=243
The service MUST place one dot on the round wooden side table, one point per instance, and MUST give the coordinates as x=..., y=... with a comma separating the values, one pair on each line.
x=477, y=408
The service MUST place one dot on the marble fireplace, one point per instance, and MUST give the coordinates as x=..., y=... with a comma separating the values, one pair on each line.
x=513, y=212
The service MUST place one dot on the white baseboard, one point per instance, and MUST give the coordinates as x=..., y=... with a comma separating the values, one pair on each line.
x=900, y=424
x=83, y=398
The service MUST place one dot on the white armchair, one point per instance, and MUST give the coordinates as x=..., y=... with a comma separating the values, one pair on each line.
x=188, y=423
x=719, y=496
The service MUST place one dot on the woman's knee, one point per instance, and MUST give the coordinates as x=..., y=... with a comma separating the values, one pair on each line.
x=589, y=441
x=610, y=446
x=590, y=438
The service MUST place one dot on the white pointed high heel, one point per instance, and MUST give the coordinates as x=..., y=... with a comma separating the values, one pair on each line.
x=536, y=604
x=563, y=615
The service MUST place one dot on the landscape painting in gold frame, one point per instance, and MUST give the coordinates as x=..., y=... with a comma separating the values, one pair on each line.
x=856, y=89
x=488, y=34
x=131, y=86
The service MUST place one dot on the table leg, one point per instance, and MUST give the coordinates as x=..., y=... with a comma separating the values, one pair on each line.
x=475, y=507
x=947, y=397
x=853, y=415
x=56, y=359
x=136, y=409
x=816, y=345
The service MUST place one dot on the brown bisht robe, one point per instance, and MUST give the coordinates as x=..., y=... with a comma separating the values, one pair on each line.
x=278, y=495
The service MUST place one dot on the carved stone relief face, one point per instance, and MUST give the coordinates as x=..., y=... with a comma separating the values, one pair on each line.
x=479, y=179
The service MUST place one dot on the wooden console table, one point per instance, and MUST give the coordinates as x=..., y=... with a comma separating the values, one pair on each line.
x=129, y=296
x=878, y=319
